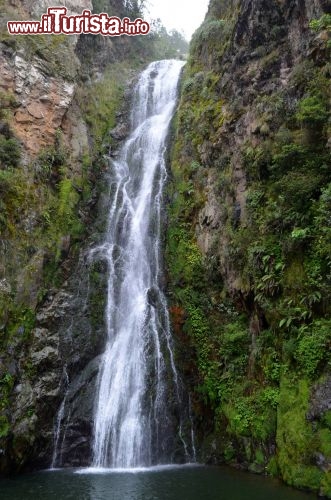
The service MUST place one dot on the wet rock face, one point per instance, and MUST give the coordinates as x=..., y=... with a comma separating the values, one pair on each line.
x=29, y=281
x=54, y=324
x=73, y=447
x=320, y=405
x=252, y=65
x=320, y=400
x=56, y=367
x=269, y=40
x=56, y=292
x=33, y=397
x=288, y=17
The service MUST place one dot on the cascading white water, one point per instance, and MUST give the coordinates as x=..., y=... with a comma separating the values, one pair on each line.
x=138, y=379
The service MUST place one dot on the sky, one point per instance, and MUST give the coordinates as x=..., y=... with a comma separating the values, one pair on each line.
x=183, y=15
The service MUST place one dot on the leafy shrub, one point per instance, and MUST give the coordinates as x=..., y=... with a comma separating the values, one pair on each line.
x=295, y=192
x=49, y=162
x=10, y=153
x=323, y=22
x=312, y=111
x=235, y=340
x=253, y=416
x=257, y=160
x=314, y=347
x=291, y=156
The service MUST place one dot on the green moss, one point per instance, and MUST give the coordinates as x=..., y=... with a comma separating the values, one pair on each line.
x=213, y=35
x=4, y=426
x=324, y=436
x=296, y=439
x=306, y=477
x=187, y=259
x=259, y=457
x=68, y=199
x=326, y=485
x=255, y=306
x=21, y=322
x=272, y=467
x=10, y=152
x=6, y=386
x=327, y=418
x=202, y=111
x=101, y=100
x=56, y=52
x=229, y=453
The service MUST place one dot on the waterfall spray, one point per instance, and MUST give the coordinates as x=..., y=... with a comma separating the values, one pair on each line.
x=138, y=403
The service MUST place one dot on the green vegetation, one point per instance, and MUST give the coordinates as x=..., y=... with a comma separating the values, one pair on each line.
x=250, y=274
x=47, y=202
x=56, y=53
x=212, y=33
x=100, y=100
x=312, y=348
x=10, y=152
x=45, y=210
x=249, y=278
x=323, y=24
x=297, y=440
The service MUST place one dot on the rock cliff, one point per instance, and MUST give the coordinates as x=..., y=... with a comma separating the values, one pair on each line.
x=248, y=239
x=248, y=246
x=60, y=96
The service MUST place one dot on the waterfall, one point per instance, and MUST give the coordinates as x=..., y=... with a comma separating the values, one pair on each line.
x=137, y=419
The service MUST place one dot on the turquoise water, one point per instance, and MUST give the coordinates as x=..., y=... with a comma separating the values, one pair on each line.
x=163, y=483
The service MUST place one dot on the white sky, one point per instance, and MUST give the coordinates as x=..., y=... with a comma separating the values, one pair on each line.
x=183, y=15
